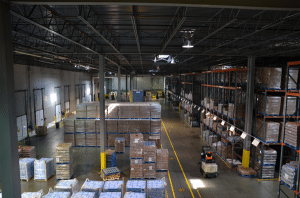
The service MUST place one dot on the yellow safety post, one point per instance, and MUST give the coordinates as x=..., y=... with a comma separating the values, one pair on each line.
x=55, y=119
x=35, y=126
x=103, y=160
x=130, y=97
x=246, y=158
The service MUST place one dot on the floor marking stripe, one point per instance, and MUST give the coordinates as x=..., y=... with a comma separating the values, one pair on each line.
x=187, y=123
x=178, y=160
x=199, y=193
x=169, y=180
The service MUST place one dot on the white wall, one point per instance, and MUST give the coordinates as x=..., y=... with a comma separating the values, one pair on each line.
x=48, y=79
x=140, y=83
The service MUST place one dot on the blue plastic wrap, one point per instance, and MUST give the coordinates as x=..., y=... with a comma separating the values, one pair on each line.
x=26, y=168
x=111, y=195
x=84, y=195
x=43, y=168
x=113, y=186
x=52, y=194
x=70, y=185
x=156, y=188
x=136, y=186
x=135, y=195
x=92, y=186
x=38, y=194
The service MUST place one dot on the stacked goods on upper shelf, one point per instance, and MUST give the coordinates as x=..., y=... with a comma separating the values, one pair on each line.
x=268, y=163
x=26, y=168
x=288, y=174
x=273, y=104
x=155, y=125
x=293, y=79
x=291, y=105
x=162, y=162
x=64, y=162
x=271, y=130
x=93, y=186
x=27, y=152
x=70, y=185
x=113, y=126
x=240, y=110
x=219, y=147
x=268, y=77
x=292, y=134
x=43, y=169
x=120, y=145
x=69, y=130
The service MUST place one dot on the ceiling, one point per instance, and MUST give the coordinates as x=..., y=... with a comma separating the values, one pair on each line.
x=71, y=37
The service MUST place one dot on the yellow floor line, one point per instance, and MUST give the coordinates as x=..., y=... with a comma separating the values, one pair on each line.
x=170, y=180
x=267, y=179
x=187, y=123
x=178, y=160
x=199, y=193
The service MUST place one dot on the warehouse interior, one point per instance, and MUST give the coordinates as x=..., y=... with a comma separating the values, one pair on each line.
x=149, y=99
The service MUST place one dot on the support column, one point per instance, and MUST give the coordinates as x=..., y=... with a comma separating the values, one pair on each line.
x=126, y=87
x=119, y=84
x=249, y=110
x=102, y=112
x=9, y=163
x=131, y=87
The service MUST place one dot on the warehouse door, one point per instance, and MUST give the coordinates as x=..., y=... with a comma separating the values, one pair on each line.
x=22, y=126
x=38, y=107
x=21, y=113
x=67, y=106
x=39, y=117
x=58, y=113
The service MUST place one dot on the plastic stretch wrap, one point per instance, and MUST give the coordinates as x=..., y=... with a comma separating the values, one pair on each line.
x=113, y=186
x=69, y=125
x=155, y=110
x=209, y=167
x=63, y=153
x=80, y=139
x=134, y=195
x=120, y=144
x=52, y=194
x=206, y=102
x=80, y=126
x=70, y=185
x=127, y=110
x=136, y=186
x=112, y=126
x=145, y=110
x=84, y=195
x=214, y=146
x=64, y=171
x=268, y=77
x=248, y=171
x=144, y=126
x=219, y=147
x=291, y=105
x=111, y=195
x=69, y=138
x=134, y=126
x=123, y=126
x=292, y=134
x=136, y=168
x=26, y=168
x=293, y=76
x=136, y=145
x=156, y=139
x=90, y=126
x=92, y=110
x=233, y=162
x=91, y=138
x=156, y=188
x=149, y=154
x=289, y=174
x=212, y=139
x=271, y=130
x=149, y=170
x=207, y=136
x=269, y=155
x=273, y=104
x=212, y=104
x=38, y=194
x=43, y=169
x=267, y=172
x=113, y=110
x=155, y=126
x=81, y=110
x=220, y=108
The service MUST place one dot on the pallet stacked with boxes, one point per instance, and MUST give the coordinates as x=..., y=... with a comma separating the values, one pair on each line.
x=136, y=156
x=64, y=161
x=149, y=160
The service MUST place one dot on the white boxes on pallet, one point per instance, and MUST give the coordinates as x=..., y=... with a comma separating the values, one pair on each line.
x=80, y=126
x=69, y=126
x=43, y=169
x=26, y=168
x=156, y=189
x=111, y=195
x=134, y=195
x=52, y=194
x=70, y=185
x=38, y=194
x=84, y=195
x=92, y=186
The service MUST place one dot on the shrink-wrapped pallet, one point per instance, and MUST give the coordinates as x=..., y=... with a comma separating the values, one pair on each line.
x=26, y=168
x=38, y=194
x=123, y=126
x=81, y=110
x=268, y=77
x=155, y=110
x=52, y=194
x=292, y=134
x=162, y=162
x=91, y=138
x=98, y=136
x=70, y=185
x=112, y=126
x=136, y=145
x=43, y=169
x=246, y=171
x=211, y=104
x=111, y=138
x=156, y=139
x=92, y=110
x=80, y=126
x=113, y=186
x=63, y=153
x=149, y=154
x=134, y=126
x=149, y=170
x=134, y=195
x=293, y=79
x=291, y=105
x=224, y=150
x=231, y=110
x=113, y=110
x=92, y=186
x=220, y=108
x=144, y=126
x=273, y=104
x=80, y=139
x=212, y=139
x=241, y=78
x=69, y=138
x=111, y=195
x=219, y=147
x=288, y=174
x=90, y=126
x=124, y=110
x=64, y=171
x=156, y=189
x=136, y=168
x=155, y=126
x=145, y=110
x=271, y=131
x=97, y=127
x=84, y=195
x=136, y=186
x=120, y=144
x=269, y=155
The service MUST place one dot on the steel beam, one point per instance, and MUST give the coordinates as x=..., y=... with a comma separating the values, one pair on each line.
x=119, y=84
x=135, y=30
x=102, y=104
x=174, y=26
x=9, y=163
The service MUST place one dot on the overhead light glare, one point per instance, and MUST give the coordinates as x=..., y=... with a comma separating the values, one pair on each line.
x=163, y=56
x=243, y=135
x=187, y=44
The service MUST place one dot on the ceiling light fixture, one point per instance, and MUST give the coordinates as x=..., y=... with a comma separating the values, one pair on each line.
x=187, y=44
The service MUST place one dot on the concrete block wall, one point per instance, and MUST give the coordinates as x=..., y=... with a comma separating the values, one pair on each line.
x=48, y=79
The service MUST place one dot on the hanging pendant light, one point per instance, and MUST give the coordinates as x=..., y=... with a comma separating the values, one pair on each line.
x=187, y=44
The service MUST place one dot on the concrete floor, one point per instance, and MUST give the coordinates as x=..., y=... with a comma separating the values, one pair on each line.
x=184, y=146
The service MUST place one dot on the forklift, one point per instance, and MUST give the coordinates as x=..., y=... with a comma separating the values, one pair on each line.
x=207, y=164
